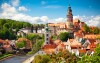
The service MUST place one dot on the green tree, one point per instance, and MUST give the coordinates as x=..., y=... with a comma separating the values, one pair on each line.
x=33, y=37
x=41, y=59
x=37, y=46
x=85, y=59
x=96, y=55
x=54, y=37
x=64, y=36
x=96, y=30
x=20, y=44
x=86, y=28
x=7, y=26
x=61, y=57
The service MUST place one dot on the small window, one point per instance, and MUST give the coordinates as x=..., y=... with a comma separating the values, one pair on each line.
x=47, y=39
x=47, y=34
x=47, y=42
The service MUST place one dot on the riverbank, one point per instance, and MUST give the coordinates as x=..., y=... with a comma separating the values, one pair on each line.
x=16, y=59
x=29, y=60
x=6, y=56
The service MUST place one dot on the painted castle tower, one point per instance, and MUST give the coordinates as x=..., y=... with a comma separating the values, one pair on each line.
x=47, y=35
x=69, y=19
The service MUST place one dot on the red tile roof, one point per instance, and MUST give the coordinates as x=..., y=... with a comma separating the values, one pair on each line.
x=60, y=46
x=82, y=50
x=91, y=46
x=49, y=46
x=91, y=36
x=92, y=40
x=51, y=41
x=79, y=33
x=1, y=41
x=75, y=46
x=57, y=42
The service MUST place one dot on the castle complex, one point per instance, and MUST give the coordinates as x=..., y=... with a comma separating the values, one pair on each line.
x=69, y=26
x=79, y=43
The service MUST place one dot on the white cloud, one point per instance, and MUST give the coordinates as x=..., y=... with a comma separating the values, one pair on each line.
x=94, y=21
x=11, y=12
x=22, y=8
x=59, y=20
x=7, y=8
x=43, y=2
x=15, y=2
x=90, y=20
x=44, y=18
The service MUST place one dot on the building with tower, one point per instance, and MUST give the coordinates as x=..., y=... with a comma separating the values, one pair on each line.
x=47, y=34
x=69, y=22
x=71, y=25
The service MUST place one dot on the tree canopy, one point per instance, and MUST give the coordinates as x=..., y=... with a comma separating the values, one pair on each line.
x=61, y=57
x=20, y=44
x=7, y=27
x=41, y=59
x=64, y=36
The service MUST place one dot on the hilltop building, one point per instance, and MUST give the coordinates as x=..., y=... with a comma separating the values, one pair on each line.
x=81, y=43
x=69, y=26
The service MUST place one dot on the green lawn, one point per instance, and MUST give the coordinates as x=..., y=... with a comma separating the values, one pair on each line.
x=5, y=56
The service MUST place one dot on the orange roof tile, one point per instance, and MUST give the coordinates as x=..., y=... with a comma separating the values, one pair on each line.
x=92, y=40
x=1, y=41
x=4, y=41
x=82, y=50
x=49, y=46
x=62, y=26
x=75, y=46
x=91, y=46
x=91, y=36
x=61, y=46
x=57, y=42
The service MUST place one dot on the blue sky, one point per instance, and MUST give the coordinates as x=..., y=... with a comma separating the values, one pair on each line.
x=58, y=8
x=50, y=9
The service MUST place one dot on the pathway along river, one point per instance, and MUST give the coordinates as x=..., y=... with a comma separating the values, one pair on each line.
x=16, y=59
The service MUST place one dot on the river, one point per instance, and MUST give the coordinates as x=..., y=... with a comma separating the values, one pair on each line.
x=16, y=59
x=20, y=59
